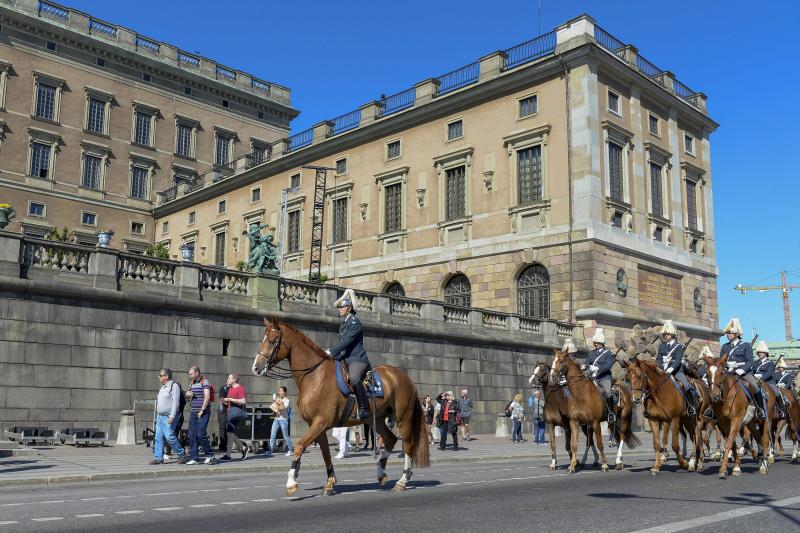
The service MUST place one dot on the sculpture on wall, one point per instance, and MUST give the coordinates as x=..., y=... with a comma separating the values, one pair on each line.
x=262, y=254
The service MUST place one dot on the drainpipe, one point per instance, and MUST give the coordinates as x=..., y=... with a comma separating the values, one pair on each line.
x=569, y=180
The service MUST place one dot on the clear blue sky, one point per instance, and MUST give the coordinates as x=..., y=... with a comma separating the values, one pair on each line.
x=337, y=55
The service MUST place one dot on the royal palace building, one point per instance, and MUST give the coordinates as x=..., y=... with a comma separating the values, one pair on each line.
x=96, y=118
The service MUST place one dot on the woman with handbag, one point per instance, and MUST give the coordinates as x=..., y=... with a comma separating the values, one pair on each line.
x=235, y=402
x=448, y=419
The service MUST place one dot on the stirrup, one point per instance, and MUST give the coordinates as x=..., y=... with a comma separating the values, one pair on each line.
x=611, y=417
x=761, y=413
x=709, y=413
x=780, y=413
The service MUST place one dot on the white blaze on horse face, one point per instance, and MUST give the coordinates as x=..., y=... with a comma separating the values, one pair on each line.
x=553, y=369
x=713, y=369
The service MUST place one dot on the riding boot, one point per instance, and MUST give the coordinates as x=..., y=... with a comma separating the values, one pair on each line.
x=361, y=396
x=610, y=406
x=781, y=405
x=691, y=406
x=761, y=405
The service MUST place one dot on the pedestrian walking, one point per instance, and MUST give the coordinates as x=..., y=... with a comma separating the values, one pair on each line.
x=280, y=406
x=465, y=404
x=340, y=434
x=167, y=404
x=429, y=410
x=177, y=422
x=200, y=394
x=447, y=421
x=517, y=416
x=536, y=403
x=235, y=404
x=368, y=436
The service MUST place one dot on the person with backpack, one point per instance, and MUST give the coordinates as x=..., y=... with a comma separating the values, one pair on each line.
x=201, y=395
x=177, y=423
x=167, y=404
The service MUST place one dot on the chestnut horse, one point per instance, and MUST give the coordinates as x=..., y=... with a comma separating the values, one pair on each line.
x=730, y=406
x=322, y=405
x=790, y=421
x=664, y=405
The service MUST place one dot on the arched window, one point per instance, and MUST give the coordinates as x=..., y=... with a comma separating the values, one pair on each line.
x=458, y=291
x=395, y=289
x=533, y=292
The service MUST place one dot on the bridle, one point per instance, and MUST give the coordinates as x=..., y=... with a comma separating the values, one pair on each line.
x=271, y=370
x=645, y=392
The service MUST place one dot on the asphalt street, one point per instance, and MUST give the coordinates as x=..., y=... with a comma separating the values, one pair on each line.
x=520, y=494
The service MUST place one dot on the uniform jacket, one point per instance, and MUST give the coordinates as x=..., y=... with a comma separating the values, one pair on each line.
x=603, y=359
x=702, y=371
x=671, y=353
x=350, y=347
x=786, y=380
x=741, y=353
x=765, y=371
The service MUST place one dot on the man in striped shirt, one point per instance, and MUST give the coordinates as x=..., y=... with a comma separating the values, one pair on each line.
x=199, y=394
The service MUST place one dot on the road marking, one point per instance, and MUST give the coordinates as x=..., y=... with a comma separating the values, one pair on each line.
x=168, y=508
x=202, y=505
x=90, y=515
x=128, y=512
x=720, y=517
x=48, y=519
x=8, y=522
x=233, y=503
x=265, y=500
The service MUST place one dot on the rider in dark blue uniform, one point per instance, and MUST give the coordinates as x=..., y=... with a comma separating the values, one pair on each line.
x=599, y=362
x=740, y=361
x=350, y=349
x=785, y=378
x=764, y=371
x=670, y=360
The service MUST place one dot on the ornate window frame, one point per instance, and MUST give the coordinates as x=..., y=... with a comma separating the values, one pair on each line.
x=392, y=241
x=616, y=209
x=59, y=84
x=102, y=152
x=695, y=239
x=107, y=99
x=458, y=230
x=154, y=114
x=523, y=216
x=339, y=252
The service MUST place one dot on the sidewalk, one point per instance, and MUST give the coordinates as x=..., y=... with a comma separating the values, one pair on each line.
x=65, y=464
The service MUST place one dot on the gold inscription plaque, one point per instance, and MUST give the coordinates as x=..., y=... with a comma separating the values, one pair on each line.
x=658, y=290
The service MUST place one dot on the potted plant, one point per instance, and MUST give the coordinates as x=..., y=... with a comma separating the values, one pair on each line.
x=6, y=214
x=187, y=251
x=104, y=238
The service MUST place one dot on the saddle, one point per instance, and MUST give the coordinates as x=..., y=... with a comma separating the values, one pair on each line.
x=372, y=382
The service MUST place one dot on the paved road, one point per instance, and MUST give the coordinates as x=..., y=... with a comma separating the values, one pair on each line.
x=521, y=494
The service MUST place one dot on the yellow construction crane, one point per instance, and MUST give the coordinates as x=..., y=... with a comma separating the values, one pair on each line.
x=784, y=288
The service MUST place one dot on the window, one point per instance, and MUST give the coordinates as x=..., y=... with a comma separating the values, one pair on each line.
x=658, y=234
x=259, y=153
x=688, y=143
x=458, y=291
x=88, y=219
x=260, y=115
x=528, y=106
x=616, y=219
x=139, y=182
x=91, y=172
x=192, y=217
x=255, y=195
x=613, y=102
x=45, y=101
x=393, y=150
x=533, y=292
x=225, y=103
x=395, y=289
x=222, y=206
x=40, y=160
x=691, y=204
x=51, y=46
x=222, y=154
x=339, y=220
x=653, y=124
x=36, y=209
x=394, y=207
x=455, y=130
x=142, y=123
x=293, y=232
x=219, y=248
x=184, y=135
x=656, y=194
x=529, y=174
x=294, y=181
x=146, y=76
x=341, y=166
x=187, y=91
x=97, y=110
x=137, y=228
x=456, y=199
x=615, y=172
x=164, y=228
x=101, y=62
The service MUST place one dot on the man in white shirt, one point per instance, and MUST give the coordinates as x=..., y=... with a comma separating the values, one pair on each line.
x=280, y=405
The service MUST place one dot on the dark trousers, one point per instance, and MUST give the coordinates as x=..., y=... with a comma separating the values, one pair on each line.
x=539, y=432
x=177, y=425
x=443, y=440
x=517, y=435
x=222, y=420
x=198, y=435
x=368, y=437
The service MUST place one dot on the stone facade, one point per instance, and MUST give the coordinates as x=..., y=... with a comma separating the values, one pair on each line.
x=77, y=87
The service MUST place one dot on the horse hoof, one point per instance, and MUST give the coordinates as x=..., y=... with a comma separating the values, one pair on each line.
x=604, y=468
x=654, y=472
x=763, y=470
x=291, y=491
x=398, y=487
x=552, y=467
x=620, y=466
x=736, y=471
x=571, y=470
x=327, y=492
x=723, y=475
x=382, y=481
x=771, y=459
x=699, y=466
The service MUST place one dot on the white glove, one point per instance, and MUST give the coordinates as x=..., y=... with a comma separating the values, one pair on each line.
x=781, y=385
x=593, y=368
x=328, y=352
x=584, y=366
x=740, y=371
x=758, y=376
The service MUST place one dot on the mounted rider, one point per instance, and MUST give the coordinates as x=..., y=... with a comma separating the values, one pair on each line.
x=764, y=371
x=740, y=361
x=599, y=362
x=702, y=371
x=785, y=378
x=350, y=349
x=670, y=360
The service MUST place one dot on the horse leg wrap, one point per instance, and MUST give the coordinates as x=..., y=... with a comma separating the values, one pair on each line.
x=294, y=470
x=382, y=464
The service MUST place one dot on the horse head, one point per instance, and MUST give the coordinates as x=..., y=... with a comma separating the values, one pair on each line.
x=272, y=349
x=637, y=378
x=715, y=369
x=559, y=366
x=539, y=375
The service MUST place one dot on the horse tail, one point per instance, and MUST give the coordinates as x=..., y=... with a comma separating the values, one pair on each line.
x=420, y=455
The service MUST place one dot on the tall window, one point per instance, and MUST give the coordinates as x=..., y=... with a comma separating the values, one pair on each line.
x=259, y=154
x=222, y=155
x=615, y=172
x=656, y=195
x=141, y=128
x=96, y=115
x=394, y=207
x=533, y=292
x=691, y=204
x=139, y=183
x=45, y=101
x=393, y=150
x=613, y=101
x=294, y=181
x=293, y=232
x=339, y=220
x=456, y=199
x=183, y=145
x=652, y=124
x=528, y=106
x=341, y=166
x=455, y=130
x=458, y=291
x=91, y=172
x=40, y=160
x=219, y=248
x=529, y=174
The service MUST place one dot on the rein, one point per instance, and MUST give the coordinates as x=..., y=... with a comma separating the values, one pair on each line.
x=648, y=392
x=275, y=372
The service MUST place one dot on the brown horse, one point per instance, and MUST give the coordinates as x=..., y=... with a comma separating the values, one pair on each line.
x=585, y=406
x=790, y=421
x=731, y=409
x=664, y=405
x=322, y=406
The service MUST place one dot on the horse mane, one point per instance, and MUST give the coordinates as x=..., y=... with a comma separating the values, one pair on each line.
x=303, y=338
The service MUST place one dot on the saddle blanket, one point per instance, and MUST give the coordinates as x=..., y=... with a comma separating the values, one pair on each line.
x=746, y=390
x=374, y=387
